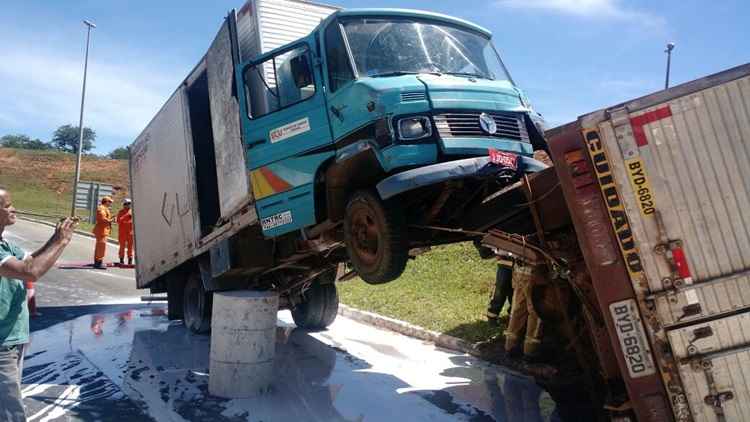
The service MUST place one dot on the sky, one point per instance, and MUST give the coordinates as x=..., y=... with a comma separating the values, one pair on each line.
x=570, y=56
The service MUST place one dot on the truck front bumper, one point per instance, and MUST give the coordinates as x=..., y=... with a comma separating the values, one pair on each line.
x=450, y=170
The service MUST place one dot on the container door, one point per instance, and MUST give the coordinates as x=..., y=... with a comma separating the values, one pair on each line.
x=231, y=169
x=714, y=363
x=286, y=136
x=165, y=214
x=682, y=162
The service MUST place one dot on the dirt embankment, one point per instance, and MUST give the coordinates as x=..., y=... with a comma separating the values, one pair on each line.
x=42, y=181
x=54, y=170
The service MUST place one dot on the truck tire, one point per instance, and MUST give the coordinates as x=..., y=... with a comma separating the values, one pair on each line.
x=319, y=306
x=197, y=305
x=375, y=237
x=175, y=296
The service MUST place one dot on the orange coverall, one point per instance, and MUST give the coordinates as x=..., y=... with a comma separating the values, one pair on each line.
x=125, y=232
x=101, y=230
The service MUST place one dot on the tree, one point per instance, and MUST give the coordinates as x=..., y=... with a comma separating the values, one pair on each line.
x=120, y=153
x=22, y=141
x=65, y=139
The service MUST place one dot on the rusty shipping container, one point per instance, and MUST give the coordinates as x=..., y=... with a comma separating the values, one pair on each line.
x=659, y=191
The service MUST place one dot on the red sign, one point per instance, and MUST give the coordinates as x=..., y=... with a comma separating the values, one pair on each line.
x=504, y=159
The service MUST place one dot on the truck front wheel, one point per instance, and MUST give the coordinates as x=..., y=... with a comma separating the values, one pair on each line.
x=319, y=306
x=375, y=236
x=197, y=305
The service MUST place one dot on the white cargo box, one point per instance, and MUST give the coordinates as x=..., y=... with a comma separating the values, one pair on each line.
x=681, y=162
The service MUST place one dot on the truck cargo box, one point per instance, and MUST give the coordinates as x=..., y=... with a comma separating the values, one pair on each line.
x=673, y=171
x=189, y=174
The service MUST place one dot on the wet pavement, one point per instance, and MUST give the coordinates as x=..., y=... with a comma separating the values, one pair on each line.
x=92, y=360
x=117, y=362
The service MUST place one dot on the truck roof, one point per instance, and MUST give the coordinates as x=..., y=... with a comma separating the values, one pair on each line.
x=410, y=13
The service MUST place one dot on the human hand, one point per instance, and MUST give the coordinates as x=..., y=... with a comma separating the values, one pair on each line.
x=65, y=228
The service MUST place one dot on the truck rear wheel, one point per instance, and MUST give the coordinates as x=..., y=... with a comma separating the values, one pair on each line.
x=319, y=306
x=175, y=296
x=375, y=236
x=197, y=305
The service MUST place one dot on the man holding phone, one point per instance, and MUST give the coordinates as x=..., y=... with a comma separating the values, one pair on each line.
x=17, y=265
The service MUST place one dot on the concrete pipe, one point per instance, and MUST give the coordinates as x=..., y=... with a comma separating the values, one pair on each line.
x=243, y=329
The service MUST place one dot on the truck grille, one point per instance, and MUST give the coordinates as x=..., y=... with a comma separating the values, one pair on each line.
x=466, y=125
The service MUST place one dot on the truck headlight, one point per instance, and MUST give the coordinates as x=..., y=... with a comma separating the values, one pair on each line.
x=412, y=128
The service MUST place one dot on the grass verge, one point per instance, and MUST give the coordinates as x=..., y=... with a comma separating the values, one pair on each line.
x=30, y=197
x=445, y=290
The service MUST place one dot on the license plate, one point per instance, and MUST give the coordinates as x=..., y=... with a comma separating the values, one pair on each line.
x=632, y=336
x=504, y=159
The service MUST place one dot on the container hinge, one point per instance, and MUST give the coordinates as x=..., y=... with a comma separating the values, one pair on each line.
x=715, y=398
x=620, y=118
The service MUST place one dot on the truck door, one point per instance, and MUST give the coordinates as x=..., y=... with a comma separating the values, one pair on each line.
x=286, y=131
x=339, y=76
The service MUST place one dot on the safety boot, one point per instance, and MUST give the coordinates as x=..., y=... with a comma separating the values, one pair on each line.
x=130, y=261
x=99, y=265
x=122, y=261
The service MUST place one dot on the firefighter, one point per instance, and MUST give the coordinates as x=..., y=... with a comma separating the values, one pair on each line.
x=503, y=289
x=125, y=231
x=101, y=230
x=524, y=329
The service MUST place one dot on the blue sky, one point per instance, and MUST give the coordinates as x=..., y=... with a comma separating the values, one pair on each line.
x=570, y=56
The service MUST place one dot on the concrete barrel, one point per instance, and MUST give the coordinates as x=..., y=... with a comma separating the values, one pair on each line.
x=243, y=343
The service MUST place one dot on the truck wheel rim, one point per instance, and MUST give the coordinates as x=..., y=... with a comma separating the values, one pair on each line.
x=366, y=235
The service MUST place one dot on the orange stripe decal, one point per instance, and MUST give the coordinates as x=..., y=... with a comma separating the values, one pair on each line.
x=277, y=183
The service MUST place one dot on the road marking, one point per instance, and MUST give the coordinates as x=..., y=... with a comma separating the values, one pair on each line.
x=34, y=389
x=57, y=408
x=106, y=274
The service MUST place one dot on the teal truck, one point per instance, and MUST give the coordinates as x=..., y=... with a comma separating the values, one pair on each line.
x=308, y=137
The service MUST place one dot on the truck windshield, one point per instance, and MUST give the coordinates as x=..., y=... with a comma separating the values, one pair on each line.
x=389, y=47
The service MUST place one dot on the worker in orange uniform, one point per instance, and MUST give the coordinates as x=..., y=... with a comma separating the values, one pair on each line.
x=101, y=230
x=125, y=231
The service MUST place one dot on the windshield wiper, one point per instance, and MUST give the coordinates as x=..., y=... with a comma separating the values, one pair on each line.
x=469, y=74
x=394, y=73
x=401, y=73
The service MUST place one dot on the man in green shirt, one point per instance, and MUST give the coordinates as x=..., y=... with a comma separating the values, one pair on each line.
x=17, y=265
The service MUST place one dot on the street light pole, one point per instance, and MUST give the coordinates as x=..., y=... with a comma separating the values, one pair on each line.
x=670, y=47
x=89, y=25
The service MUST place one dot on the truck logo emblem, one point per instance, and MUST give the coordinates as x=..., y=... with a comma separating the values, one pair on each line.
x=487, y=123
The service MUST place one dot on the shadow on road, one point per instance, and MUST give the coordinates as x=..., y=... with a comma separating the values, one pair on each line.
x=475, y=331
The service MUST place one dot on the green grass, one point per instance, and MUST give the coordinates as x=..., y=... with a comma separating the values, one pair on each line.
x=445, y=290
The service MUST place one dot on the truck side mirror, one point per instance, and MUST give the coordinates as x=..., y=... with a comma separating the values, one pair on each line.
x=301, y=72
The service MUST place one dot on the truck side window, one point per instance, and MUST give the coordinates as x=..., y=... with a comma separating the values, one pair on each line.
x=280, y=81
x=339, y=70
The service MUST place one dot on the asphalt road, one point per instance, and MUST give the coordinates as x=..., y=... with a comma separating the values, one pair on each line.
x=76, y=287
x=97, y=353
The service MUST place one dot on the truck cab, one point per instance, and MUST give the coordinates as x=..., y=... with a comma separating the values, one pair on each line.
x=383, y=129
